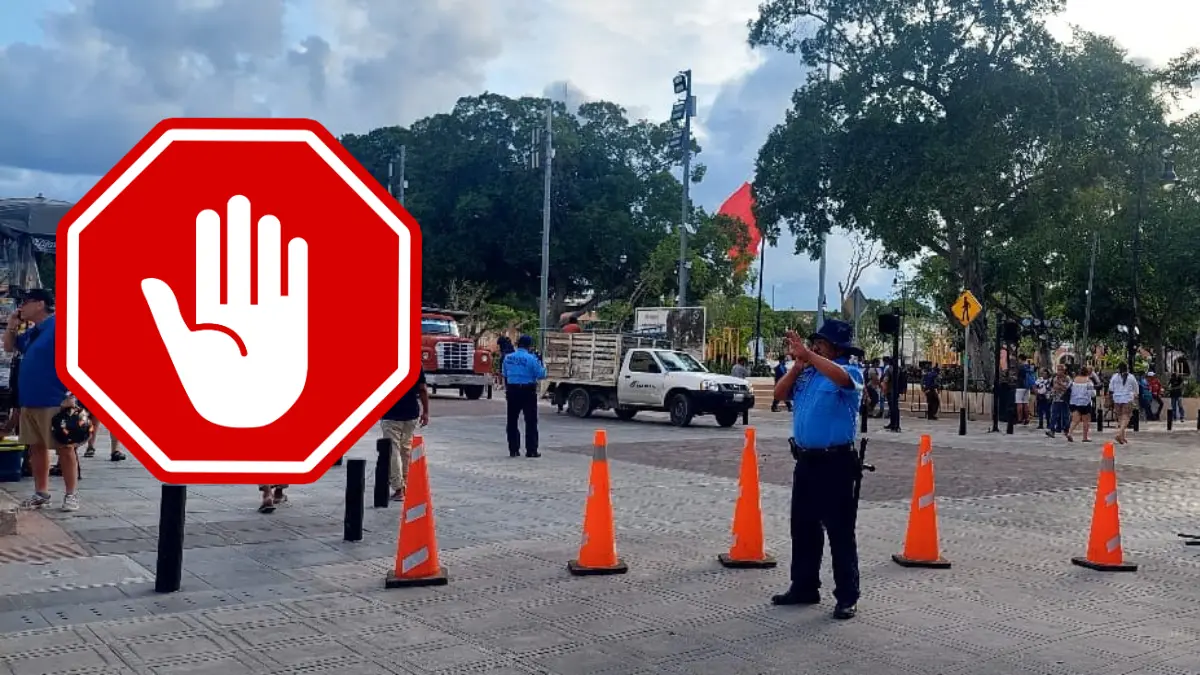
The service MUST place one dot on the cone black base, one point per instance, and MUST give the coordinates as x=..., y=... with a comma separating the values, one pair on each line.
x=939, y=564
x=1104, y=567
x=766, y=563
x=438, y=579
x=580, y=571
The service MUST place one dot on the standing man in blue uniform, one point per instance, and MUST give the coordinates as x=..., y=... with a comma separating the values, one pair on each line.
x=522, y=372
x=826, y=390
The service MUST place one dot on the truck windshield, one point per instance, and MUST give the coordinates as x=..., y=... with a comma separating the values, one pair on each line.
x=439, y=327
x=676, y=362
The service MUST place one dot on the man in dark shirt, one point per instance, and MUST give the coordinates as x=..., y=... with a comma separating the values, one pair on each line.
x=400, y=424
x=931, y=387
x=1175, y=391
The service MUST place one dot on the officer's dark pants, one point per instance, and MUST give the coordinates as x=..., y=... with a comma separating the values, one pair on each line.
x=933, y=403
x=522, y=400
x=823, y=503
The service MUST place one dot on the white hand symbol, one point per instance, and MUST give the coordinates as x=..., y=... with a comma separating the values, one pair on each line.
x=245, y=365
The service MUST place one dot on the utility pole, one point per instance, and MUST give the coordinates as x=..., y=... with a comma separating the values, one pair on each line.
x=686, y=143
x=394, y=188
x=548, y=157
x=1087, y=310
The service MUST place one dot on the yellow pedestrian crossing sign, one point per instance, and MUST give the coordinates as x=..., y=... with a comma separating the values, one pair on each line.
x=966, y=308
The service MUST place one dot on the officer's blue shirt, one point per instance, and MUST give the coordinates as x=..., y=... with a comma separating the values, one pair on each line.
x=826, y=415
x=38, y=385
x=521, y=367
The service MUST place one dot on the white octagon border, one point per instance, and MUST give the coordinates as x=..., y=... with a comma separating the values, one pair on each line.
x=236, y=135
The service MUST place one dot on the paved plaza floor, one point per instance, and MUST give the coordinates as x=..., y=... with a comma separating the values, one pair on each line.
x=282, y=593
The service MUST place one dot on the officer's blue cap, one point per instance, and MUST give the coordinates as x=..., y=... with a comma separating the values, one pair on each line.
x=524, y=342
x=839, y=334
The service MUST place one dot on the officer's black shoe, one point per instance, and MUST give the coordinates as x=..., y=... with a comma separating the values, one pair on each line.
x=535, y=454
x=793, y=597
x=514, y=453
x=843, y=612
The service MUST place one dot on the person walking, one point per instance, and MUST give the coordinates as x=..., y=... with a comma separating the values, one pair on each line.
x=1083, y=390
x=399, y=424
x=933, y=395
x=781, y=369
x=1060, y=401
x=41, y=396
x=522, y=372
x=826, y=389
x=1175, y=392
x=1123, y=388
x=1042, y=389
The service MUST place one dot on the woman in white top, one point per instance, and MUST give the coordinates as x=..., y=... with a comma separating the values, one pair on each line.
x=1083, y=389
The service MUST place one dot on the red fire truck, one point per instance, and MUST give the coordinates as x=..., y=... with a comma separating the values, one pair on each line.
x=450, y=360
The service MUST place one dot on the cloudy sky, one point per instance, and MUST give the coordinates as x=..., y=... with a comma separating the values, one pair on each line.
x=82, y=80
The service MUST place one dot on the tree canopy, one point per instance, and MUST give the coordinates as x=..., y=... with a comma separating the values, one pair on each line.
x=964, y=133
x=615, y=205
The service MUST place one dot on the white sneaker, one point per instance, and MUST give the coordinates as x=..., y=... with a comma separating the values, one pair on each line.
x=37, y=501
x=70, y=503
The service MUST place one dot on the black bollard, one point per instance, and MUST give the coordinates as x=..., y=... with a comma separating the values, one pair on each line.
x=1099, y=418
x=1012, y=415
x=383, y=472
x=862, y=420
x=1136, y=423
x=962, y=421
x=168, y=569
x=1170, y=419
x=356, y=497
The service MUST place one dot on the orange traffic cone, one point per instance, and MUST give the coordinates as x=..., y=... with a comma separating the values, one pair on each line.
x=748, y=549
x=416, y=548
x=921, y=540
x=1104, y=544
x=598, y=552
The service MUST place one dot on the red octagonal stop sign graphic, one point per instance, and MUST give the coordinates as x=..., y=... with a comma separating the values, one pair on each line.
x=239, y=301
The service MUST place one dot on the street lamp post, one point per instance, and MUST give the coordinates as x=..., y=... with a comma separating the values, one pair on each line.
x=682, y=111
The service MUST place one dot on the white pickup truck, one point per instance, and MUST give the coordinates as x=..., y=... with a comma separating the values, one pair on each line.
x=626, y=374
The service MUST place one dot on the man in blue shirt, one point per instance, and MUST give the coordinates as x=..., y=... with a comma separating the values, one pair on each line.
x=826, y=389
x=522, y=371
x=41, y=396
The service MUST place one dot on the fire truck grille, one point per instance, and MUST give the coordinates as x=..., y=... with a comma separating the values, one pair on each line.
x=456, y=356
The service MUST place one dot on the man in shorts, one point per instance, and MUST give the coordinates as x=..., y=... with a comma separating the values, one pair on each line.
x=41, y=396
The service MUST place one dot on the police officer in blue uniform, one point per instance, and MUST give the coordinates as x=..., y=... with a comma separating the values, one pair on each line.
x=826, y=387
x=522, y=371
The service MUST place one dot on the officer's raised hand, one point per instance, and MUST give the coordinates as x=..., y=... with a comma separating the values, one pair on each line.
x=796, y=346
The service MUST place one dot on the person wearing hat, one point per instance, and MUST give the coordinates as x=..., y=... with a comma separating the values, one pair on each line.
x=522, y=371
x=825, y=386
x=41, y=396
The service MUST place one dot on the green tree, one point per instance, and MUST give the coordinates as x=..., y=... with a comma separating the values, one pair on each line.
x=614, y=202
x=957, y=131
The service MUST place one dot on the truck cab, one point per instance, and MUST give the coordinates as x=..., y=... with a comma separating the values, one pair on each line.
x=450, y=360
x=645, y=377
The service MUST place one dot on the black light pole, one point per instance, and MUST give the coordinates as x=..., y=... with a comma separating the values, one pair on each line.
x=996, y=375
x=762, y=263
x=1168, y=179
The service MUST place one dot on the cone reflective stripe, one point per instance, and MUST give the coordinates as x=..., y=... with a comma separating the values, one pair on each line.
x=1104, y=552
x=749, y=547
x=417, y=561
x=598, y=545
x=921, y=540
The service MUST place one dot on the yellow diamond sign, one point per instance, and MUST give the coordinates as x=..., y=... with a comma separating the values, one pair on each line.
x=966, y=308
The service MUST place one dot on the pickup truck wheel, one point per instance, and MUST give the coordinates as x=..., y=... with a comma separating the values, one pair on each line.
x=579, y=403
x=727, y=418
x=626, y=414
x=473, y=392
x=681, y=410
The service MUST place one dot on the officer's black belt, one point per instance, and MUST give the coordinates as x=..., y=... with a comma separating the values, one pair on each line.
x=522, y=386
x=798, y=452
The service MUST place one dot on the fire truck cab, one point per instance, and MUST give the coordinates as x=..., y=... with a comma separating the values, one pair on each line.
x=450, y=360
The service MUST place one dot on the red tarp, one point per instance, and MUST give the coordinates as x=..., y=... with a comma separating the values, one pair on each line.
x=740, y=205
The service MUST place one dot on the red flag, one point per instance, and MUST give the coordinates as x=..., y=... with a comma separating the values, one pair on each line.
x=740, y=205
